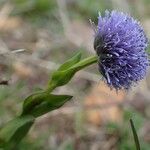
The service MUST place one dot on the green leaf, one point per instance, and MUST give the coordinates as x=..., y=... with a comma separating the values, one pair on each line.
x=41, y=103
x=33, y=100
x=75, y=59
x=62, y=77
x=135, y=136
x=14, y=131
x=50, y=102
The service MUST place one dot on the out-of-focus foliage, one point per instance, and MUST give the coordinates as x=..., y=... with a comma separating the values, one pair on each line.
x=89, y=9
x=33, y=7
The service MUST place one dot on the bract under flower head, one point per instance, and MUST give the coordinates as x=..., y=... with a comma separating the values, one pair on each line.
x=120, y=43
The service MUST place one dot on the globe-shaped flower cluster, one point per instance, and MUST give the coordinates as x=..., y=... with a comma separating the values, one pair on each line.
x=120, y=43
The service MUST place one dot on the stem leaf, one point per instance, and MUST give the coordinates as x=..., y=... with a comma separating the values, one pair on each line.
x=75, y=59
x=62, y=77
x=51, y=102
x=44, y=102
x=13, y=132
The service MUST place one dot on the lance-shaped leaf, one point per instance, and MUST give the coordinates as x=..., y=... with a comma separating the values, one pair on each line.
x=33, y=100
x=72, y=61
x=41, y=103
x=62, y=77
x=50, y=102
x=13, y=132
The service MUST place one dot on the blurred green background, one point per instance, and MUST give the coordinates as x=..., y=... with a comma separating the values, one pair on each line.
x=51, y=31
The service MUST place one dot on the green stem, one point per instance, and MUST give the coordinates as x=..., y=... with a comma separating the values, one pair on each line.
x=86, y=62
x=51, y=86
x=137, y=143
x=78, y=66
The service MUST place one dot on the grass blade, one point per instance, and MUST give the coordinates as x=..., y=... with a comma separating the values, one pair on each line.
x=135, y=135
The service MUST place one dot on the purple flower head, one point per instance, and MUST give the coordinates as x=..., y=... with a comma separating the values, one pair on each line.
x=120, y=43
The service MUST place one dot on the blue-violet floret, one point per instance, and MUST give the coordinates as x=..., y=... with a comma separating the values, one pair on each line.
x=121, y=43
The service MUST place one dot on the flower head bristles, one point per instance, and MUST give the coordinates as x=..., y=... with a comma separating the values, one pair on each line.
x=120, y=43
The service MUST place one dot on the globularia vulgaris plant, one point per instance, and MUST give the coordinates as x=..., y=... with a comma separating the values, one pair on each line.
x=120, y=44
